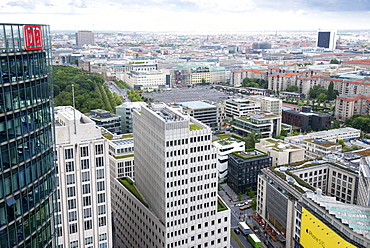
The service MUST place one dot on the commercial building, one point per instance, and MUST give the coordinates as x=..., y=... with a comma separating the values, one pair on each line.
x=84, y=202
x=85, y=37
x=347, y=106
x=292, y=95
x=202, y=111
x=239, y=107
x=224, y=148
x=297, y=216
x=121, y=157
x=125, y=112
x=106, y=119
x=260, y=122
x=334, y=135
x=269, y=104
x=280, y=152
x=244, y=167
x=318, y=148
x=173, y=201
x=27, y=195
x=326, y=39
x=306, y=119
x=363, y=196
x=147, y=80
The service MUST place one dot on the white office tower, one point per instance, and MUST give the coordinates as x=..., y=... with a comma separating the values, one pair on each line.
x=327, y=39
x=177, y=204
x=84, y=207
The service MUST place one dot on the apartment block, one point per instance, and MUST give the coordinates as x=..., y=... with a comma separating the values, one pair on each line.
x=84, y=202
x=173, y=201
x=347, y=106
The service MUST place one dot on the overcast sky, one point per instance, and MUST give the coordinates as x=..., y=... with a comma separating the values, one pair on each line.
x=189, y=15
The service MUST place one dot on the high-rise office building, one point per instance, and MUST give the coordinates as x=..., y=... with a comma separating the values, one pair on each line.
x=326, y=39
x=84, y=208
x=173, y=201
x=85, y=37
x=27, y=171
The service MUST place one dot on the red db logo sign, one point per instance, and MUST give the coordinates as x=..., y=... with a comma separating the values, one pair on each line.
x=33, y=37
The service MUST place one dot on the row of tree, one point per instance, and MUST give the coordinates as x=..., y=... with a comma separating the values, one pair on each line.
x=255, y=82
x=134, y=97
x=90, y=92
x=360, y=122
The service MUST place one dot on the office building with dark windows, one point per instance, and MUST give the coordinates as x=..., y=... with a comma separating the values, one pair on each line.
x=27, y=171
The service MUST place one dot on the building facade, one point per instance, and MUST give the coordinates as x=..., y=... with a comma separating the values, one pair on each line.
x=202, y=111
x=244, y=168
x=121, y=157
x=85, y=37
x=125, y=112
x=240, y=107
x=176, y=201
x=269, y=104
x=348, y=105
x=84, y=202
x=27, y=195
x=106, y=119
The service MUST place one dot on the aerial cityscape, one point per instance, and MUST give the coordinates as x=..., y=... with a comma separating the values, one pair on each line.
x=202, y=128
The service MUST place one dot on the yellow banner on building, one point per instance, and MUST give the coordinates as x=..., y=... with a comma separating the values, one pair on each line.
x=315, y=234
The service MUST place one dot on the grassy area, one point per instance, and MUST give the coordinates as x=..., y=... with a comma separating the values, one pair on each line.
x=237, y=240
x=247, y=155
x=130, y=186
x=220, y=205
x=107, y=135
x=124, y=156
x=127, y=136
x=194, y=127
x=364, y=152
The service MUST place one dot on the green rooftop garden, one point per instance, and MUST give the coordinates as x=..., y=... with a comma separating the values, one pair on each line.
x=250, y=153
x=220, y=205
x=124, y=156
x=127, y=136
x=194, y=127
x=364, y=152
x=107, y=135
x=127, y=182
x=326, y=144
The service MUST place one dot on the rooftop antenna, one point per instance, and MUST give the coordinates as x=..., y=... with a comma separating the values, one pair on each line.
x=74, y=107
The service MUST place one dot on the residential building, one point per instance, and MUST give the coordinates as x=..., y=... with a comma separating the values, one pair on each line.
x=238, y=107
x=260, y=122
x=85, y=37
x=269, y=104
x=121, y=157
x=106, y=119
x=318, y=148
x=346, y=106
x=84, y=202
x=28, y=191
x=224, y=148
x=244, y=167
x=145, y=80
x=281, y=152
x=202, y=111
x=173, y=201
x=306, y=119
x=125, y=112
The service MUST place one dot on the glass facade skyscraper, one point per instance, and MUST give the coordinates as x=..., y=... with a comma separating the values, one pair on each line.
x=27, y=171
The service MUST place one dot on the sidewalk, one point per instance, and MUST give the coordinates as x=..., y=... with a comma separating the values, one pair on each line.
x=230, y=195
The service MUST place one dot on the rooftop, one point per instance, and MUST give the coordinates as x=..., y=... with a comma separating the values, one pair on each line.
x=322, y=142
x=197, y=105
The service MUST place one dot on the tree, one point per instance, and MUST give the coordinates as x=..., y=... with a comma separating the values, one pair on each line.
x=254, y=204
x=292, y=88
x=332, y=94
x=239, y=196
x=322, y=97
x=250, y=140
x=341, y=142
x=334, y=61
x=284, y=132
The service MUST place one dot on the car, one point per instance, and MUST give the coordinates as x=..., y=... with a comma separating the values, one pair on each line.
x=239, y=204
x=237, y=231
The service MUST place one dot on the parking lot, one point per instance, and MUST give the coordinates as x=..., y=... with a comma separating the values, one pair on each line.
x=197, y=93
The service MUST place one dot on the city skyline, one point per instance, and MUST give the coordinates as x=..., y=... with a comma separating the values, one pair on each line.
x=189, y=15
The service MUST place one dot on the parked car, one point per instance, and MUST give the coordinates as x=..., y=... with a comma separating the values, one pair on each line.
x=241, y=204
x=237, y=231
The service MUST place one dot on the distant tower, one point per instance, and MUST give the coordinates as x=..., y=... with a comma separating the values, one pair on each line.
x=326, y=39
x=85, y=38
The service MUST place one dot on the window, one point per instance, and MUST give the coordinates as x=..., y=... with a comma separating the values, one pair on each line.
x=74, y=244
x=69, y=166
x=73, y=228
x=88, y=224
x=71, y=191
x=72, y=216
x=99, y=162
x=100, y=186
x=72, y=204
x=70, y=179
x=101, y=197
x=100, y=174
x=88, y=240
x=84, y=164
x=102, y=221
x=101, y=209
x=84, y=151
x=99, y=149
x=87, y=213
x=85, y=188
x=85, y=176
x=68, y=153
x=87, y=201
x=102, y=237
